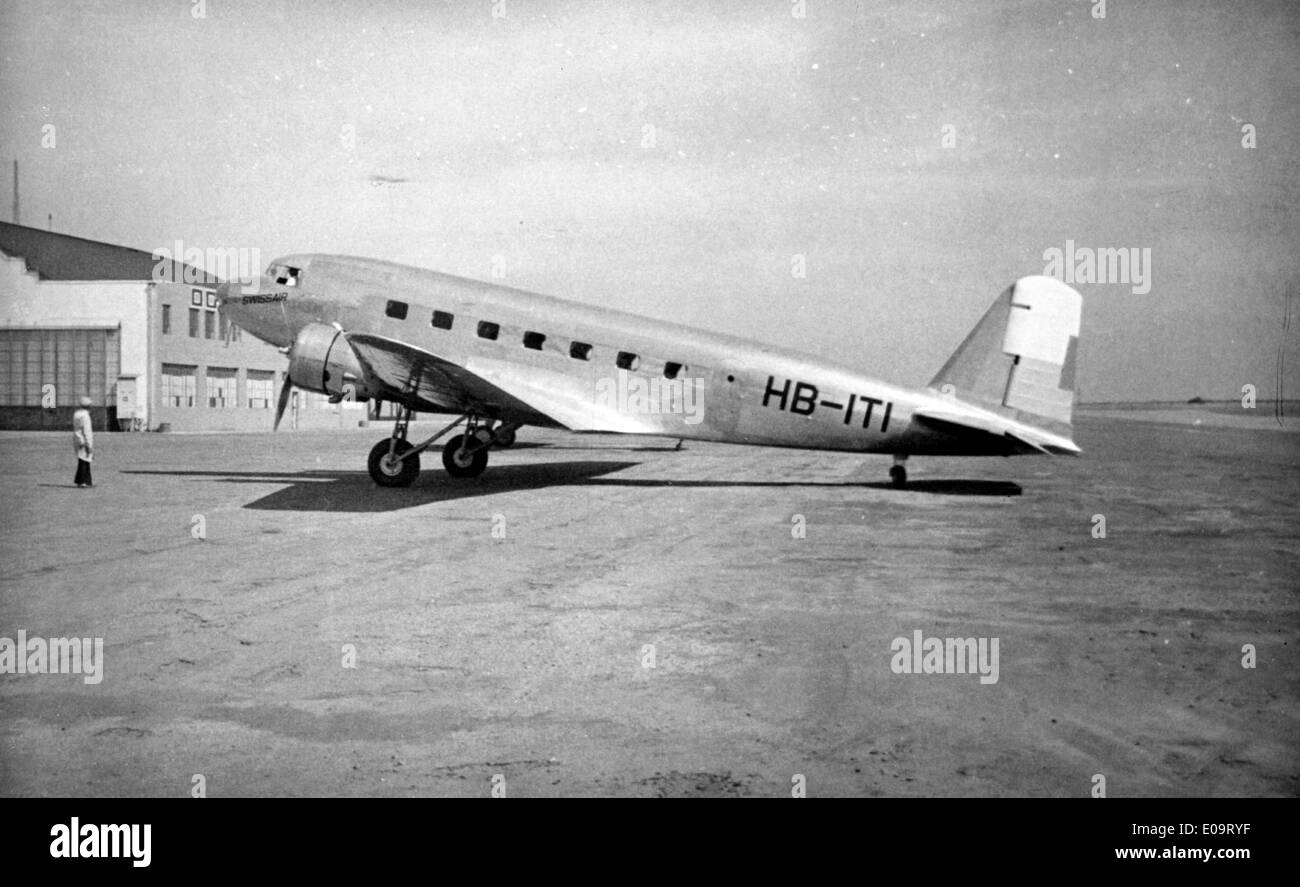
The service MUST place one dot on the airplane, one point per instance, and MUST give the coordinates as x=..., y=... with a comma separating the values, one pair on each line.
x=500, y=358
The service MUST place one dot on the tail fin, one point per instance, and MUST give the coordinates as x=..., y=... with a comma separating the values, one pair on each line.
x=1019, y=359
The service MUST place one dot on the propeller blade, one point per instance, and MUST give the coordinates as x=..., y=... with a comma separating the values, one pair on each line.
x=286, y=391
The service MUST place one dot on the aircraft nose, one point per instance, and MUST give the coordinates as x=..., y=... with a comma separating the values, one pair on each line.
x=256, y=308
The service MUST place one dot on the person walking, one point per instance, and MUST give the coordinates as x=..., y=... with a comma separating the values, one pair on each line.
x=83, y=436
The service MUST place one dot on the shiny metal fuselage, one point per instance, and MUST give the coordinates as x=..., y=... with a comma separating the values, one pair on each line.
x=741, y=391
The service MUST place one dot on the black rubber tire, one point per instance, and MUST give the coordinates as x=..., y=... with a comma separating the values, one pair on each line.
x=898, y=474
x=504, y=439
x=475, y=466
x=406, y=471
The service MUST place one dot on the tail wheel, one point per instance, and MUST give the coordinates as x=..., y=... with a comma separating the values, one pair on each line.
x=505, y=439
x=898, y=474
x=462, y=463
x=386, y=470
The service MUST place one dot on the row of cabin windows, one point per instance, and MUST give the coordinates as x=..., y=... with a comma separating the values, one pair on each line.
x=442, y=320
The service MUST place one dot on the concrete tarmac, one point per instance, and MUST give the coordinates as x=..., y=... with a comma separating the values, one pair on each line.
x=600, y=615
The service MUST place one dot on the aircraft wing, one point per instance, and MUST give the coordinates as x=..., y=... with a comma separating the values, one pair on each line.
x=499, y=388
x=1022, y=439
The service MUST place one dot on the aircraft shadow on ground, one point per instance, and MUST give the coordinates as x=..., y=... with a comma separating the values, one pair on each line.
x=933, y=487
x=354, y=491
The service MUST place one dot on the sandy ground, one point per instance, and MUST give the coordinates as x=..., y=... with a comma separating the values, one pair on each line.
x=525, y=656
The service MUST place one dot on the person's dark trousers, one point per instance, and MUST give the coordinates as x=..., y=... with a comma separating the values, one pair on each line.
x=83, y=473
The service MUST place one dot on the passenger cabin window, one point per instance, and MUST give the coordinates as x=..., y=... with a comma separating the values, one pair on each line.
x=580, y=351
x=627, y=360
x=396, y=310
x=488, y=330
x=671, y=370
x=442, y=320
x=534, y=340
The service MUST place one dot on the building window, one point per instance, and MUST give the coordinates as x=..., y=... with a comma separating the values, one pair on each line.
x=442, y=320
x=261, y=389
x=194, y=322
x=580, y=351
x=534, y=340
x=488, y=330
x=628, y=360
x=178, y=385
x=396, y=310
x=221, y=388
x=209, y=324
x=167, y=319
x=196, y=298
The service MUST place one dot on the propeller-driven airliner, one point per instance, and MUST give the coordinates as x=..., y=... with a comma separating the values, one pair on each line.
x=498, y=359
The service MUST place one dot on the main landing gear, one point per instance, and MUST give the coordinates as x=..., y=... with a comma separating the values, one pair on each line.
x=395, y=462
x=897, y=473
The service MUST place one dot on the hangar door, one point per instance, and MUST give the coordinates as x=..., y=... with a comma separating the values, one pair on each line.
x=76, y=362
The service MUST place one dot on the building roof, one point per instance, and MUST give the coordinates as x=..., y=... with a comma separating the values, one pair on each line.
x=56, y=256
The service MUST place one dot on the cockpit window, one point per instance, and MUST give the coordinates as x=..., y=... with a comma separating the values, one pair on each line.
x=284, y=275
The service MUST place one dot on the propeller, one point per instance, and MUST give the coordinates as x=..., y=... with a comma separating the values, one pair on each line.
x=286, y=392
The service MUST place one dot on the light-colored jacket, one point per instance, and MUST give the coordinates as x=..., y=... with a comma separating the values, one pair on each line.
x=83, y=434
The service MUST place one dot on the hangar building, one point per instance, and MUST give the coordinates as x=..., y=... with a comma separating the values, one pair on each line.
x=143, y=337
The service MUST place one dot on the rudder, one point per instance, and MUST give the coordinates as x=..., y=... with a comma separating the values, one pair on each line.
x=1020, y=358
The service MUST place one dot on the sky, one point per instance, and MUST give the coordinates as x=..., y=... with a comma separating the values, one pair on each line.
x=685, y=160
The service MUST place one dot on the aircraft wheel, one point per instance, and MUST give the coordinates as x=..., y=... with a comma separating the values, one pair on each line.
x=898, y=474
x=461, y=464
x=505, y=439
x=389, y=473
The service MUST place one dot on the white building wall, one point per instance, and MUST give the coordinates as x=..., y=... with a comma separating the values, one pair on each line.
x=27, y=301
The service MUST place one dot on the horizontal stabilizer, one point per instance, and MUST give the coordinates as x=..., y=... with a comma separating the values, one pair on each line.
x=1016, y=438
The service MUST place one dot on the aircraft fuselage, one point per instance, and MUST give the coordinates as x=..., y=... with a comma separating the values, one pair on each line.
x=659, y=378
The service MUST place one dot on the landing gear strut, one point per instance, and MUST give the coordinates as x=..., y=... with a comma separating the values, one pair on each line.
x=395, y=462
x=897, y=473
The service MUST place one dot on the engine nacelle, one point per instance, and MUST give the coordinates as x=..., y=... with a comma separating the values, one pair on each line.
x=321, y=360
